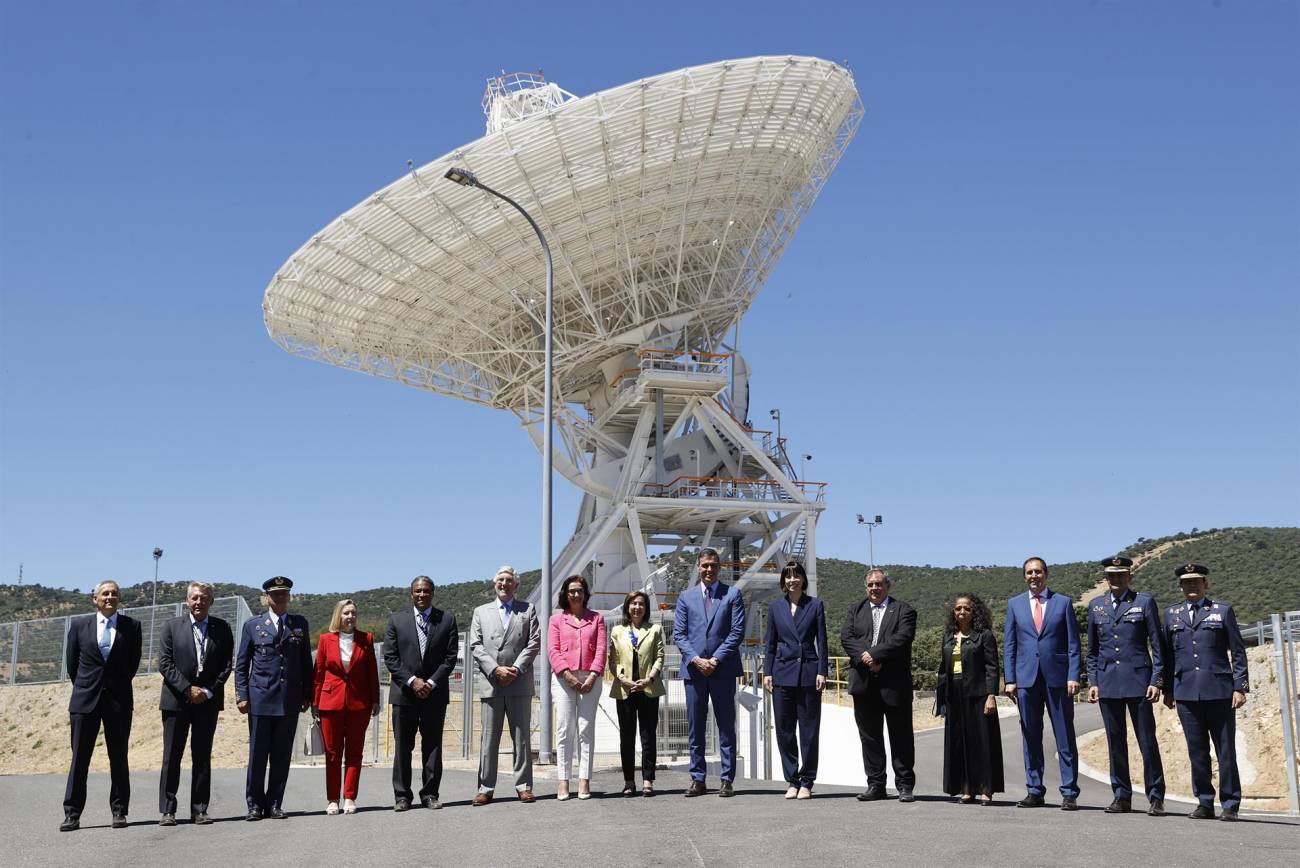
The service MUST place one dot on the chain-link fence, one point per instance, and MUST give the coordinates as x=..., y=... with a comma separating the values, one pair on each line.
x=35, y=652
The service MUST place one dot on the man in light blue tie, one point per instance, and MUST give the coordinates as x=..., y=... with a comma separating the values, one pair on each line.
x=708, y=629
x=103, y=654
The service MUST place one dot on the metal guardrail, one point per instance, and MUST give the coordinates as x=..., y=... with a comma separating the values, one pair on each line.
x=34, y=651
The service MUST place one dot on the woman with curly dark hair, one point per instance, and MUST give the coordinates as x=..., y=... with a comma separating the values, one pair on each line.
x=967, y=689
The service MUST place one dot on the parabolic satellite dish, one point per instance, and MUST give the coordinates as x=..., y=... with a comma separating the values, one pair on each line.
x=666, y=203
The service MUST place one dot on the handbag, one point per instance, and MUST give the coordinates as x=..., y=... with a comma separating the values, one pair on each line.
x=315, y=741
x=941, y=697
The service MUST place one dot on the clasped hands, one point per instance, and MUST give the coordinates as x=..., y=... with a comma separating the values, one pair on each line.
x=633, y=686
x=504, y=675
x=870, y=662
x=705, y=665
x=195, y=695
x=584, y=685
x=421, y=688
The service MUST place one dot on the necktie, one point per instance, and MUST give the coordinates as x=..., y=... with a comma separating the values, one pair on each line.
x=279, y=629
x=505, y=615
x=422, y=624
x=198, y=647
x=708, y=603
x=106, y=640
x=1038, y=614
x=877, y=613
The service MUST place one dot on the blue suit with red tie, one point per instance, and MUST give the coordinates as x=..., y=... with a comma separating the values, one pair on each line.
x=711, y=628
x=1041, y=662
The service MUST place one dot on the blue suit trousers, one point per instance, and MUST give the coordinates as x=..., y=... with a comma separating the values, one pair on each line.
x=1060, y=707
x=1202, y=721
x=722, y=691
x=1113, y=717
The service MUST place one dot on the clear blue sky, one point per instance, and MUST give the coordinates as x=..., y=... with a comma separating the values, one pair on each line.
x=1047, y=303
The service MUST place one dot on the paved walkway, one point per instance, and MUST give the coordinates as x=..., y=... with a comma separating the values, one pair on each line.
x=755, y=828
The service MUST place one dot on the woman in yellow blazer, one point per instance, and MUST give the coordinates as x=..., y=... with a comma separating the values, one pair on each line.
x=636, y=661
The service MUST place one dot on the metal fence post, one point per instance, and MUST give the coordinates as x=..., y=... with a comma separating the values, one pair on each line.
x=63, y=655
x=13, y=656
x=1285, y=668
x=467, y=696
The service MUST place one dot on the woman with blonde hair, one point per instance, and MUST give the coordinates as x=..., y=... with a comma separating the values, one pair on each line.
x=345, y=698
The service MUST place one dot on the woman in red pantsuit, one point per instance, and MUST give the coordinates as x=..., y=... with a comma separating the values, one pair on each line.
x=346, y=697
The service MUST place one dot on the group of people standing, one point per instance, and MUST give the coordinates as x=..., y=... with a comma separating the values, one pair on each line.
x=1191, y=654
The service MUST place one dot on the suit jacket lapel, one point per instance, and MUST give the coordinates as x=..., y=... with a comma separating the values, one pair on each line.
x=800, y=612
x=708, y=615
x=1118, y=611
x=1201, y=611
x=887, y=619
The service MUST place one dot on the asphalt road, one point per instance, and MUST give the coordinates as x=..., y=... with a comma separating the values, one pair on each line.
x=757, y=827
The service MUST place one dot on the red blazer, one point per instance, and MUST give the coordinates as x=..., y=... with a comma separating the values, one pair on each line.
x=355, y=688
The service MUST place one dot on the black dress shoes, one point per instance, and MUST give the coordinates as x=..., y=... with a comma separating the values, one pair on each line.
x=431, y=803
x=276, y=814
x=1069, y=803
x=1229, y=815
x=254, y=814
x=201, y=818
x=1119, y=806
x=402, y=805
x=726, y=790
x=696, y=788
x=905, y=795
x=119, y=821
x=872, y=794
x=70, y=824
x=1202, y=812
x=167, y=820
x=1157, y=808
x=1031, y=801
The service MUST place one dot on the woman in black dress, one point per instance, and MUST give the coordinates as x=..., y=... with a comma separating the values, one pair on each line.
x=968, y=687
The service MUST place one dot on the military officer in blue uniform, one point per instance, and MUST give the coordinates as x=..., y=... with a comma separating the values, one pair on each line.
x=273, y=684
x=1205, y=665
x=1126, y=679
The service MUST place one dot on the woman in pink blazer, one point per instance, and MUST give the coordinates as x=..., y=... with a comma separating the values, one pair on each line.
x=576, y=646
x=345, y=698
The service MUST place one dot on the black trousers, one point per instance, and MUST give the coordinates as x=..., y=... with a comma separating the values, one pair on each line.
x=871, y=715
x=1203, y=721
x=638, y=713
x=427, y=718
x=270, y=740
x=798, y=707
x=199, y=724
x=116, y=721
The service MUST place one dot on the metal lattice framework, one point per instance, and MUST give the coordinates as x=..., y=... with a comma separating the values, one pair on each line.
x=667, y=201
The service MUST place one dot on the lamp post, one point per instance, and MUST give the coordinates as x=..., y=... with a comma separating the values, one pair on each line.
x=467, y=179
x=153, y=610
x=871, y=536
x=803, y=465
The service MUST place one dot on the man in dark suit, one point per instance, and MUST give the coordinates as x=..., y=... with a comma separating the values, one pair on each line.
x=1041, y=657
x=420, y=647
x=708, y=627
x=1126, y=680
x=197, y=655
x=1206, y=672
x=274, y=677
x=103, y=654
x=877, y=636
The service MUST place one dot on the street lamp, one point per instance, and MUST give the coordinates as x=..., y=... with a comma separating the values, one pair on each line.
x=153, y=611
x=803, y=464
x=467, y=179
x=871, y=536
x=776, y=414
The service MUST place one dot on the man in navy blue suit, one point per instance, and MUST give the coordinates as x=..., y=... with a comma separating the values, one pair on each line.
x=1041, y=656
x=273, y=684
x=1200, y=634
x=1126, y=680
x=103, y=654
x=708, y=628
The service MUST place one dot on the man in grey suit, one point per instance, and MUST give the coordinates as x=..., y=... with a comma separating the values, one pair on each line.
x=504, y=637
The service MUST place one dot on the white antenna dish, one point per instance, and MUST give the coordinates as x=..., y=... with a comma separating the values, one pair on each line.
x=666, y=202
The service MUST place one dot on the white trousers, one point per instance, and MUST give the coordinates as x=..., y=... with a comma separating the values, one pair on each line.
x=575, y=719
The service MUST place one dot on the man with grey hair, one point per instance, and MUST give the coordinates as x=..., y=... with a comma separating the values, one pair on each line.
x=103, y=654
x=708, y=629
x=877, y=636
x=196, y=660
x=504, y=639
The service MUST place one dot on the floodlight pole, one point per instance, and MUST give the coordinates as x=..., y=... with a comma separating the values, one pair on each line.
x=467, y=179
x=871, y=535
x=153, y=611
